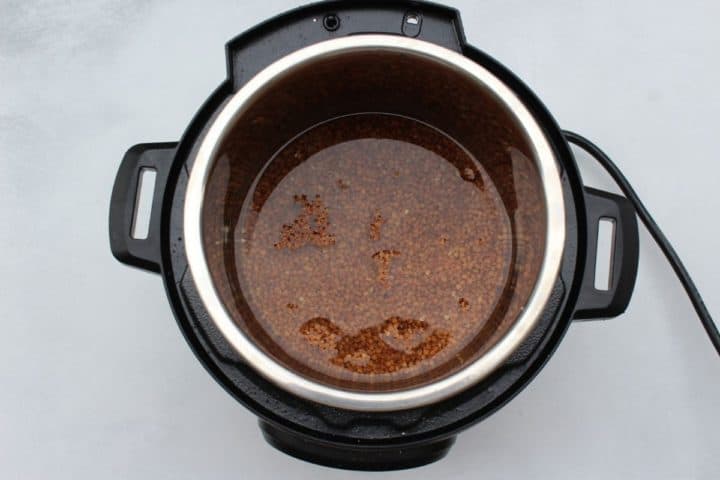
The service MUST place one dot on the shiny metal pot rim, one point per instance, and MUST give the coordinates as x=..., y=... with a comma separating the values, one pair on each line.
x=374, y=401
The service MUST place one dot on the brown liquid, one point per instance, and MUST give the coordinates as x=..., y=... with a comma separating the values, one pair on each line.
x=375, y=253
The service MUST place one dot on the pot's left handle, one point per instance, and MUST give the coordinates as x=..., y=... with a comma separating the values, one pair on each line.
x=139, y=252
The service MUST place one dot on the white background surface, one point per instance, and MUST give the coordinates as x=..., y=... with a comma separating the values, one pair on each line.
x=96, y=380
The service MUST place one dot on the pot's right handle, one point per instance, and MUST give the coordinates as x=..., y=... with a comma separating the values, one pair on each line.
x=592, y=302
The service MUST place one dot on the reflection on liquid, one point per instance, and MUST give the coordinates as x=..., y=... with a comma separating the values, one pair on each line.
x=393, y=345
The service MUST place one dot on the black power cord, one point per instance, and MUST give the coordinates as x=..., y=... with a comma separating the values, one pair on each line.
x=654, y=229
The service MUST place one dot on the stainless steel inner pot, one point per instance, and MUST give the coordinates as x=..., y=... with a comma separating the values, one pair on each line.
x=315, y=391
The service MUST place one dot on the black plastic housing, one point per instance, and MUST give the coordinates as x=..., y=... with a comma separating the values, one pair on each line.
x=315, y=432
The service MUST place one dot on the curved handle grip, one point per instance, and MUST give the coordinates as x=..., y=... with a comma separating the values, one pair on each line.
x=142, y=253
x=594, y=303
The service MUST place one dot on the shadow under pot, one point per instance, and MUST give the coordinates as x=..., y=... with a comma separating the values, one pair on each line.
x=373, y=243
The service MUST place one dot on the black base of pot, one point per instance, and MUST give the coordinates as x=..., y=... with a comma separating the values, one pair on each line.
x=355, y=457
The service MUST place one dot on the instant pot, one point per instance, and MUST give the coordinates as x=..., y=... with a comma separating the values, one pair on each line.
x=325, y=61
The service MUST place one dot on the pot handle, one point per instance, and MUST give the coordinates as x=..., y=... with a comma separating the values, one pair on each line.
x=592, y=302
x=139, y=252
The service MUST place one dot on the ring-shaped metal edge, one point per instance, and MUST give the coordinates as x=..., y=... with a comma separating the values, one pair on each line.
x=380, y=401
